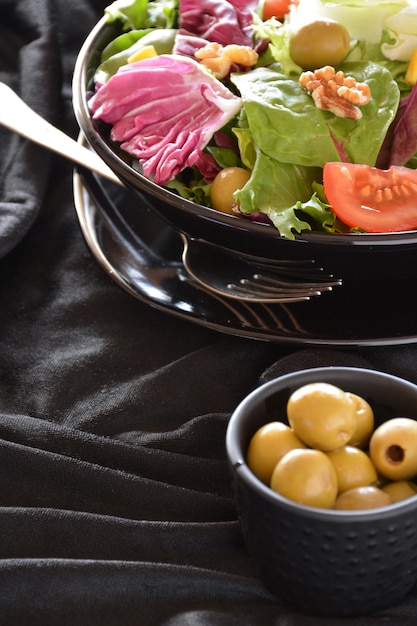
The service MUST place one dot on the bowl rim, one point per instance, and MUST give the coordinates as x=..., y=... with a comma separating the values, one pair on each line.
x=136, y=179
x=238, y=463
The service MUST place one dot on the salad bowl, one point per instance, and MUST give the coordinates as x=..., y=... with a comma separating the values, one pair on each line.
x=350, y=256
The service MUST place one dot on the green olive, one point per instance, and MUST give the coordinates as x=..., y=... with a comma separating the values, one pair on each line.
x=307, y=477
x=393, y=448
x=267, y=446
x=322, y=415
x=365, y=423
x=319, y=43
x=400, y=490
x=226, y=183
x=362, y=498
x=353, y=467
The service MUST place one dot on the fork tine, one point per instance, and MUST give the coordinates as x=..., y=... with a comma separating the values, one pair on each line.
x=286, y=265
x=255, y=288
x=276, y=283
x=305, y=269
x=275, y=287
x=258, y=279
x=267, y=296
x=297, y=271
x=273, y=296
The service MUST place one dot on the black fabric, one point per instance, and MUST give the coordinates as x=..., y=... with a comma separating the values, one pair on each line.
x=115, y=500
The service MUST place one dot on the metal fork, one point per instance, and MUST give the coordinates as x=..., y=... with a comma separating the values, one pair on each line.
x=223, y=271
x=246, y=277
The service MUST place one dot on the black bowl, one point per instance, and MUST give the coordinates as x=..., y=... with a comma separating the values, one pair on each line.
x=365, y=256
x=325, y=562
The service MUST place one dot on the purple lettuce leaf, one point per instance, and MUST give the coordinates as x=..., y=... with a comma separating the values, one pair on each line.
x=218, y=20
x=164, y=111
x=400, y=142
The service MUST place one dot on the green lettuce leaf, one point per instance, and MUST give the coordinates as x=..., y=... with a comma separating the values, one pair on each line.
x=136, y=14
x=284, y=192
x=224, y=157
x=123, y=47
x=310, y=215
x=287, y=126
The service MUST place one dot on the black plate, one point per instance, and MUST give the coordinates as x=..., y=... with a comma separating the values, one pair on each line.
x=144, y=258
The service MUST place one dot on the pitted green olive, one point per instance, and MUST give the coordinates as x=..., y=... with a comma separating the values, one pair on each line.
x=393, y=448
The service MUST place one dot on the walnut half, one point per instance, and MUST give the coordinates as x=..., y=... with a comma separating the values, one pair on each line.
x=219, y=59
x=335, y=92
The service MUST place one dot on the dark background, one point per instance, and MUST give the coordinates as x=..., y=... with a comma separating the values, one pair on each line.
x=115, y=499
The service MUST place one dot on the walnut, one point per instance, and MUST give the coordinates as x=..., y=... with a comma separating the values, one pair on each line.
x=335, y=92
x=219, y=59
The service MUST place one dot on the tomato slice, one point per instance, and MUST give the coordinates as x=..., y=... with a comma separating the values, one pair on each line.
x=276, y=8
x=372, y=199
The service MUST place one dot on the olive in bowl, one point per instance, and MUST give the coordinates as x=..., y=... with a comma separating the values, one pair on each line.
x=324, y=561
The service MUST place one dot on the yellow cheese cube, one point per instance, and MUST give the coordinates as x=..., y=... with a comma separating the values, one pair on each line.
x=146, y=52
x=411, y=74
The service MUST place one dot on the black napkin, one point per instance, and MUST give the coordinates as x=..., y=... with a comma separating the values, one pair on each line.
x=30, y=65
x=115, y=499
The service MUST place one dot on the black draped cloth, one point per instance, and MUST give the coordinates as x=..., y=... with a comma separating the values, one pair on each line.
x=115, y=498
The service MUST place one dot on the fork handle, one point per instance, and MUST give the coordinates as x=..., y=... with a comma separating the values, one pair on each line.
x=18, y=117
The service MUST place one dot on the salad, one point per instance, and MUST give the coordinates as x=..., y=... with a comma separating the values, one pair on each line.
x=299, y=113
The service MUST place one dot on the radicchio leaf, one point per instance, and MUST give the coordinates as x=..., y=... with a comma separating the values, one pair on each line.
x=164, y=111
x=218, y=20
x=400, y=142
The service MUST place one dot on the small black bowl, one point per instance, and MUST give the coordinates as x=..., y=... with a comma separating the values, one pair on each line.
x=325, y=562
x=352, y=257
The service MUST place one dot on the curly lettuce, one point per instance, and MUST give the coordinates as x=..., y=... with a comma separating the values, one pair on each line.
x=283, y=192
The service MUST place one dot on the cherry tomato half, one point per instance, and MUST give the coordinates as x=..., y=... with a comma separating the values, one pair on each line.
x=276, y=8
x=370, y=198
